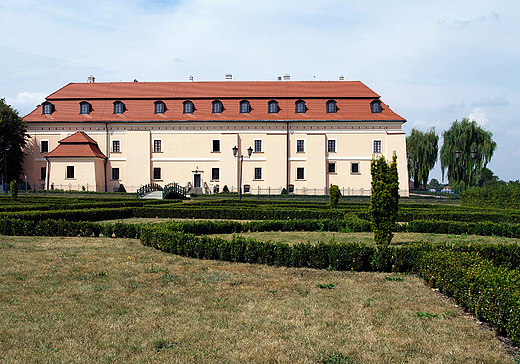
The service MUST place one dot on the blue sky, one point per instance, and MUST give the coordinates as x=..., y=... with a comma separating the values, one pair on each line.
x=432, y=61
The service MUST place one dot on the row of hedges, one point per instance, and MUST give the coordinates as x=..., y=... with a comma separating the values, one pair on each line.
x=489, y=292
x=502, y=196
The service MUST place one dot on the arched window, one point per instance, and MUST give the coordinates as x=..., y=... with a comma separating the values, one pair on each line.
x=375, y=106
x=188, y=107
x=159, y=108
x=216, y=107
x=47, y=108
x=300, y=107
x=85, y=108
x=332, y=108
x=119, y=107
x=272, y=107
x=245, y=107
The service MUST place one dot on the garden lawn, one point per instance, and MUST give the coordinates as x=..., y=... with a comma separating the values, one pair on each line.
x=97, y=300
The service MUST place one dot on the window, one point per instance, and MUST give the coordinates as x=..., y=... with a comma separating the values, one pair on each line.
x=245, y=107
x=119, y=107
x=291, y=189
x=160, y=107
x=47, y=108
x=258, y=173
x=377, y=146
x=215, y=174
x=85, y=108
x=258, y=145
x=300, y=146
x=115, y=173
x=332, y=168
x=272, y=107
x=70, y=172
x=116, y=146
x=375, y=106
x=331, y=145
x=188, y=107
x=43, y=173
x=332, y=108
x=354, y=168
x=217, y=107
x=215, y=145
x=44, y=146
x=300, y=173
x=157, y=145
x=157, y=173
x=300, y=107
x=247, y=188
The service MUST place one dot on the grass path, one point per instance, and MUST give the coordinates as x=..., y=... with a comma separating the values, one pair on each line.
x=98, y=300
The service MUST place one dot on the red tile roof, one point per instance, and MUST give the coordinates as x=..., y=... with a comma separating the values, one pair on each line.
x=78, y=144
x=353, y=101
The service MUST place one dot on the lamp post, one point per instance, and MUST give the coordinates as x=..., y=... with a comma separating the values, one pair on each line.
x=241, y=158
x=473, y=154
x=5, y=171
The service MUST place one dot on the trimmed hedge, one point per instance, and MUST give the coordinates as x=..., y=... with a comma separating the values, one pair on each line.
x=490, y=293
x=503, y=196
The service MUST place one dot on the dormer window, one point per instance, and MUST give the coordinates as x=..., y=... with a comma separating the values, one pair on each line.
x=85, y=108
x=375, y=106
x=300, y=107
x=217, y=107
x=119, y=107
x=332, y=108
x=245, y=107
x=47, y=108
x=188, y=107
x=159, y=108
x=272, y=107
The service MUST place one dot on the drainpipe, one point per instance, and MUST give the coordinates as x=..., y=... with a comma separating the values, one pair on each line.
x=287, y=161
x=48, y=174
x=107, y=150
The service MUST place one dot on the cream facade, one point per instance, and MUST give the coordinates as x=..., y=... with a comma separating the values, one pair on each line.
x=303, y=153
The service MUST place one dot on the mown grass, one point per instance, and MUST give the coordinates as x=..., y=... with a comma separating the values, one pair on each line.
x=99, y=300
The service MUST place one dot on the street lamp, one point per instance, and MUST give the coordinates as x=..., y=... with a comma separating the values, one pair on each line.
x=241, y=158
x=5, y=171
x=473, y=154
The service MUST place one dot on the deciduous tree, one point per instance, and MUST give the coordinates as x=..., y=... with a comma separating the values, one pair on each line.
x=13, y=139
x=465, y=136
x=421, y=151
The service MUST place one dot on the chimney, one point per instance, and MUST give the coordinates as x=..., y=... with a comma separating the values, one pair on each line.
x=341, y=78
x=229, y=76
x=191, y=78
x=279, y=78
x=286, y=77
x=91, y=79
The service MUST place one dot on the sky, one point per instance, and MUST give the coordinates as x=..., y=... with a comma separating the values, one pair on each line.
x=432, y=62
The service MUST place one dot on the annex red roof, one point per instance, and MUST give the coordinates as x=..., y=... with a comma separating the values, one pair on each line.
x=78, y=144
x=353, y=100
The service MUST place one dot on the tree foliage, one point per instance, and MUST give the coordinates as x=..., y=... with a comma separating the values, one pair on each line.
x=13, y=136
x=465, y=136
x=421, y=151
x=384, y=202
x=334, y=194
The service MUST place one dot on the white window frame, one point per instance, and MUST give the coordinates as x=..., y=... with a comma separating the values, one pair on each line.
x=48, y=145
x=303, y=141
x=335, y=145
x=358, y=168
x=113, y=149
x=153, y=146
x=212, y=169
x=118, y=174
x=261, y=146
x=213, y=146
x=254, y=177
x=67, y=172
x=153, y=174
x=374, y=141
x=335, y=167
x=300, y=179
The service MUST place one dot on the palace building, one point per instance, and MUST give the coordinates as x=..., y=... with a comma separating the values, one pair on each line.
x=299, y=135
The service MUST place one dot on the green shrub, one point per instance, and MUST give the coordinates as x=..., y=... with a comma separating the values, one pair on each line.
x=14, y=190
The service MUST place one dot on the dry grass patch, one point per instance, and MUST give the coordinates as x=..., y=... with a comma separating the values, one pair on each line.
x=96, y=300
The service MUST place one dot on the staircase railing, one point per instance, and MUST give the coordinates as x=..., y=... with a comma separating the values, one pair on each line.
x=147, y=188
x=174, y=189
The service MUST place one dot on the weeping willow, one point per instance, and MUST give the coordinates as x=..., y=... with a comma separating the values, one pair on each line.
x=465, y=136
x=421, y=151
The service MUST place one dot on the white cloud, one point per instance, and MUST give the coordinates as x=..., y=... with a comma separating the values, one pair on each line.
x=479, y=115
x=27, y=99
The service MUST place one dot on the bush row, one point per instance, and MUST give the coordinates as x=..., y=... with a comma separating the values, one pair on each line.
x=489, y=292
x=459, y=228
x=503, y=196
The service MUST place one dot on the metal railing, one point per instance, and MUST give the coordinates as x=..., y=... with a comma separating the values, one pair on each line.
x=147, y=188
x=174, y=189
